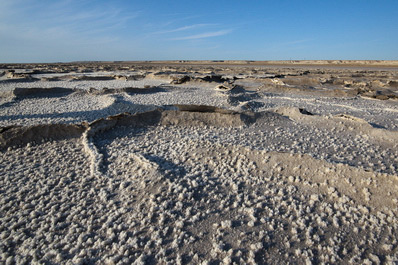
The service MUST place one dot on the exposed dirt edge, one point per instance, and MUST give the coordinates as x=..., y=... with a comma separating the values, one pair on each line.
x=19, y=135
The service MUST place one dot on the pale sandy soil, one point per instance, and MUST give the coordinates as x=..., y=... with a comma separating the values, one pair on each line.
x=156, y=163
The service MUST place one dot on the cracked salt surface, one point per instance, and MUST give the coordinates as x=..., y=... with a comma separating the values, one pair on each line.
x=81, y=84
x=171, y=195
x=79, y=107
x=200, y=187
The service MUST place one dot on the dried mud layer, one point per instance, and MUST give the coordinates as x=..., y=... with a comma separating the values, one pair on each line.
x=199, y=163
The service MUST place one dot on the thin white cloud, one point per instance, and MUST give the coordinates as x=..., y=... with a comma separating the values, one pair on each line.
x=40, y=31
x=184, y=28
x=204, y=35
x=72, y=22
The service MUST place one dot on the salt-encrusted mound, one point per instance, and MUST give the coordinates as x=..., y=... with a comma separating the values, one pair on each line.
x=35, y=92
x=18, y=135
x=294, y=113
x=38, y=92
x=189, y=118
x=20, y=92
x=179, y=79
x=149, y=118
x=132, y=90
x=187, y=115
x=13, y=76
x=203, y=108
x=343, y=122
x=93, y=78
x=224, y=87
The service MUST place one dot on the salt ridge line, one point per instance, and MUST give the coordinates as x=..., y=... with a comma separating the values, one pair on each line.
x=21, y=135
x=93, y=153
x=185, y=115
x=310, y=102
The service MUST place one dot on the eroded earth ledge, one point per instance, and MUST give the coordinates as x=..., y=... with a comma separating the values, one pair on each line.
x=197, y=164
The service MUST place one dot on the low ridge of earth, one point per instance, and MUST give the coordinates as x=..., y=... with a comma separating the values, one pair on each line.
x=199, y=163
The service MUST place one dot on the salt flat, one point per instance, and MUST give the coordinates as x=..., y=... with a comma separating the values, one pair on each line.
x=199, y=163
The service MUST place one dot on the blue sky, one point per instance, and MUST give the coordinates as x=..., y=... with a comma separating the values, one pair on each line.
x=71, y=30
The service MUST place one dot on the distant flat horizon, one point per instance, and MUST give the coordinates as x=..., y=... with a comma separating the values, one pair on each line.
x=244, y=62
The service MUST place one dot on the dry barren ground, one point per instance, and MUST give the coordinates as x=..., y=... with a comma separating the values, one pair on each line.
x=189, y=163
